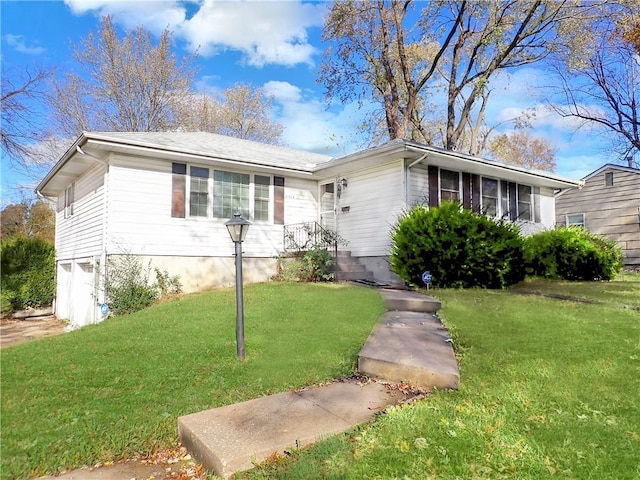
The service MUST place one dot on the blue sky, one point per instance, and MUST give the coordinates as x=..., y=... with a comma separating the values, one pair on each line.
x=276, y=45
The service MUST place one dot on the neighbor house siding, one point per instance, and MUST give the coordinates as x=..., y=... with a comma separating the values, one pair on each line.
x=80, y=234
x=369, y=207
x=608, y=210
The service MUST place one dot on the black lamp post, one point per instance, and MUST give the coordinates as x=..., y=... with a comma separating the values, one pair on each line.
x=238, y=228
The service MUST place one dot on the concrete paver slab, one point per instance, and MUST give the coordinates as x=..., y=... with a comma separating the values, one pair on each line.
x=232, y=438
x=410, y=347
x=13, y=332
x=407, y=300
x=120, y=471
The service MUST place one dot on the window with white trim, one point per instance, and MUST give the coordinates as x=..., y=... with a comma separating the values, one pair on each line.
x=525, y=202
x=490, y=205
x=231, y=194
x=69, y=200
x=575, y=219
x=198, y=192
x=449, y=186
x=261, y=198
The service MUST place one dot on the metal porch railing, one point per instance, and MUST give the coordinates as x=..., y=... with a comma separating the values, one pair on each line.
x=301, y=237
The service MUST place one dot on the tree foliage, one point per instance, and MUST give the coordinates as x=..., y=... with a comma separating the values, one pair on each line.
x=123, y=84
x=22, y=95
x=379, y=53
x=33, y=220
x=241, y=112
x=599, y=77
x=521, y=148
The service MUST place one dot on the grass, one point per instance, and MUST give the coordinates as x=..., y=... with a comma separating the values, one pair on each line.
x=625, y=290
x=115, y=390
x=549, y=389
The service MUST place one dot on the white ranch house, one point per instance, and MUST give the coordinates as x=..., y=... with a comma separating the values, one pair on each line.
x=166, y=197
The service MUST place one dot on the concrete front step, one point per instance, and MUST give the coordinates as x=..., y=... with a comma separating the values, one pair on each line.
x=236, y=437
x=410, y=347
x=351, y=276
x=406, y=300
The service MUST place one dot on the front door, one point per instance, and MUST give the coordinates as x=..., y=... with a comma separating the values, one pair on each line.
x=328, y=205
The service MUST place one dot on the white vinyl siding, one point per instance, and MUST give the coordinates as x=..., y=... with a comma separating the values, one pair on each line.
x=141, y=222
x=418, y=186
x=80, y=235
x=369, y=207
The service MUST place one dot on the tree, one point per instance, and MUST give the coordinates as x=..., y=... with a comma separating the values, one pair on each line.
x=241, y=112
x=33, y=220
x=379, y=54
x=126, y=84
x=22, y=96
x=520, y=148
x=600, y=83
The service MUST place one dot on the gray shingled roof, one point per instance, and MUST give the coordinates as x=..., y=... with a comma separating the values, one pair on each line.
x=217, y=146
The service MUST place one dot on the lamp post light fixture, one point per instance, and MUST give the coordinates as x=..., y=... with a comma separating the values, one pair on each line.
x=238, y=228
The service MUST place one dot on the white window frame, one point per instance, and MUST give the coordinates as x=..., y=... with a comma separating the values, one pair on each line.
x=531, y=205
x=210, y=194
x=570, y=223
x=482, y=196
x=69, y=200
x=440, y=189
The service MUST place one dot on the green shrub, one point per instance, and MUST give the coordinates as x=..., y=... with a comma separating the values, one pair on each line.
x=316, y=265
x=310, y=266
x=572, y=254
x=460, y=248
x=129, y=288
x=27, y=273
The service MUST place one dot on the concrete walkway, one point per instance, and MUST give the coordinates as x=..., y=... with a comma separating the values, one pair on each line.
x=13, y=332
x=408, y=344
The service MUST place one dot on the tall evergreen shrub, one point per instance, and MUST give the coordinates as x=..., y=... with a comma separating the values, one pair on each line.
x=27, y=273
x=460, y=248
x=572, y=254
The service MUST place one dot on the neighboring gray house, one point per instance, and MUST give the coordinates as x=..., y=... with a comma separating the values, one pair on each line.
x=608, y=204
x=166, y=196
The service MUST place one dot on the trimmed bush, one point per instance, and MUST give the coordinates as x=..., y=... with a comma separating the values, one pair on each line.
x=572, y=254
x=27, y=275
x=460, y=248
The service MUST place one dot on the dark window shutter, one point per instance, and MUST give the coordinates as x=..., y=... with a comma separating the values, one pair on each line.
x=513, y=202
x=278, y=211
x=178, y=189
x=433, y=186
x=475, y=193
x=466, y=190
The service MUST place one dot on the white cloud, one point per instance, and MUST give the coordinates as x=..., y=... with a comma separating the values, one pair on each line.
x=264, y=32
x=309, y=125
x=19, y=44
x=154, y=15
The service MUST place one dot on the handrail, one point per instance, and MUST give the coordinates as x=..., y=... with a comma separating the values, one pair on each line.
x=301, y=237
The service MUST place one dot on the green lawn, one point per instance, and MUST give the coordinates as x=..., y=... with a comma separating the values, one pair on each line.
x=625, y=289
x=549, y=389
x=115, y=389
